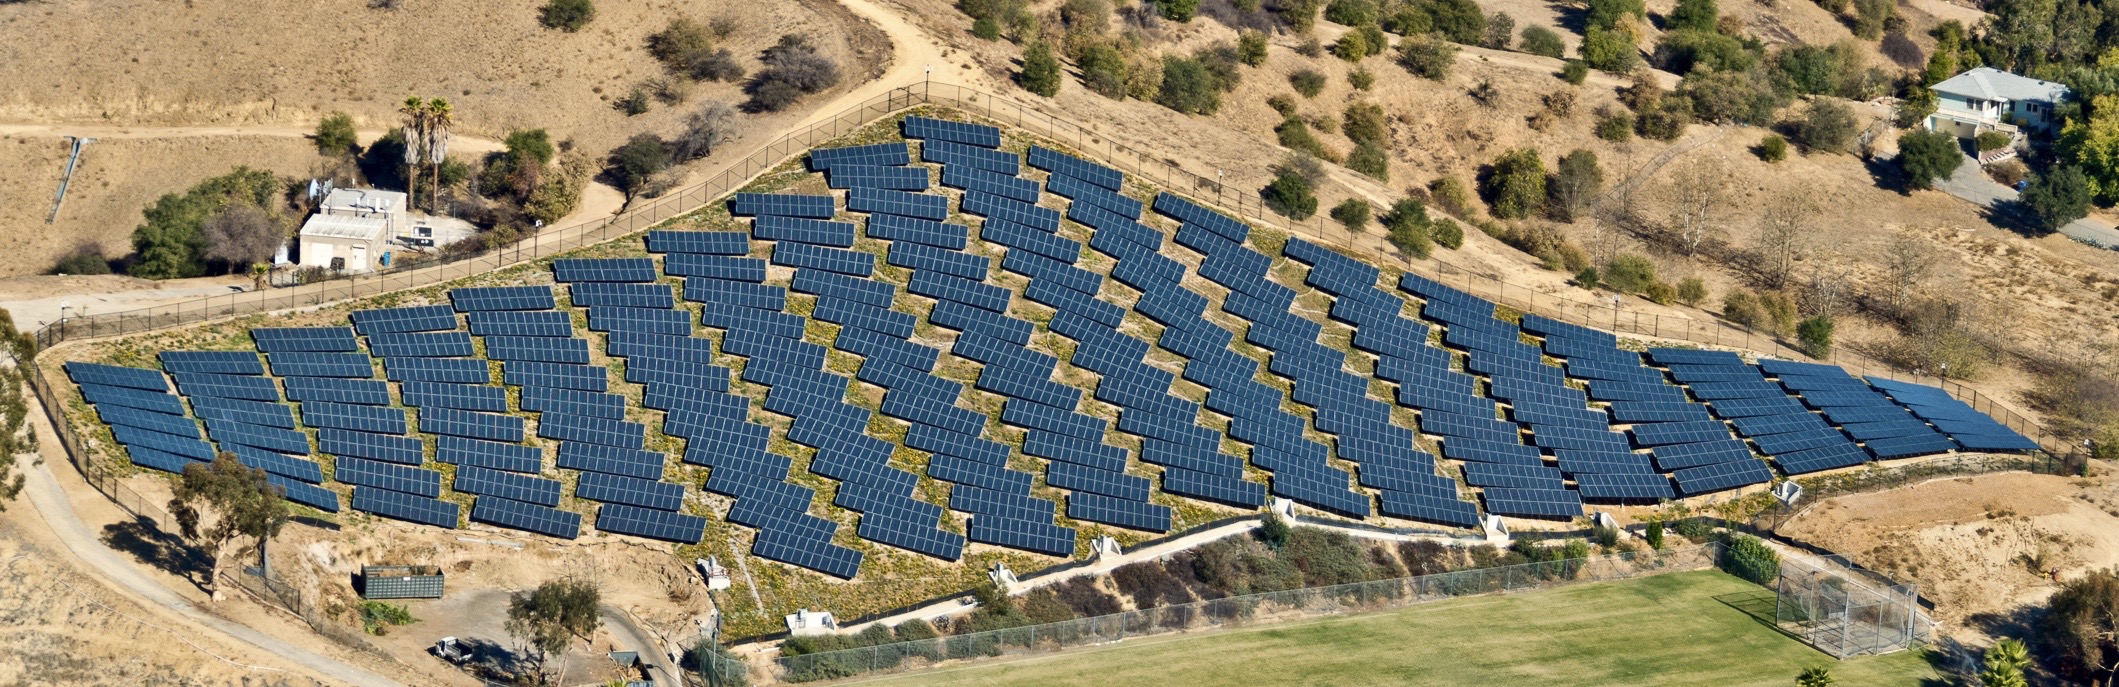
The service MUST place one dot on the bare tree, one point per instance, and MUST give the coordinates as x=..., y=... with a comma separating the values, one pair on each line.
x=1698, y=196
x=705, y=130
x=242, y=235
x=1908, y=263
x=1784, y=237
x=1826, y=293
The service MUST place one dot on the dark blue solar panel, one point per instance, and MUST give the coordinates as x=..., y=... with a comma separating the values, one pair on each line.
x=528, y=517
x=894, y=154
x=213, y=362
x=698, y=242
x=887, y=202
x=489, y=298
x=317, y=339
x=954, y=132
x=471, y=479
x=425, y=511
x=634, y=270
x=488, y=454
x=820, y=232
x=650, y=524
x=395, y=449
x=783, y=205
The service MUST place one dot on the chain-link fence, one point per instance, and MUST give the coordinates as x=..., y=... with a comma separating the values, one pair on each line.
x=1846, y=611
x=1237, y=611
x=289, y=597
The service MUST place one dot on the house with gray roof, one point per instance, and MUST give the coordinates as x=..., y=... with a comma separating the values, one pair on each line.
x=1988, y=99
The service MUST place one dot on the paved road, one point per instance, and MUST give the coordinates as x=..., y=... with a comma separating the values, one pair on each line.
x=50, y=501
x=1971, y=184
x=661, y=671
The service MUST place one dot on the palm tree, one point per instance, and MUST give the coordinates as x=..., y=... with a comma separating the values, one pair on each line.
x=415, y=136
x=1814, y=677
x=437, y=143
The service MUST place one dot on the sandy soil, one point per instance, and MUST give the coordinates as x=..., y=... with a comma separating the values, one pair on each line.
x=1978, y=544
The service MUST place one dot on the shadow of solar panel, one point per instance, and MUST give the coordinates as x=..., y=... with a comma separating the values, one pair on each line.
x=829, y=259
x=608, y=488
x=650, y=524
x=309, y=495
x=1026, y=535
x=954, y=132
x=471, y=424
x=924, y=257
x=303, y=364
x=443, y=370
x=565, y=376
x=527, y=517
x=896, y=154
x=783, y=205
x=820, y=556
x=314, y=339
x=491, y=399
x=421, y=345
x=212, y=362
x=877, y=177
x=159, y=460
x=359, y=418
x=608, y=270
x=1615, y=487
x=521, y=323
x=1429, y=509
x=471, y=479
x=1032, y=218
x=1139, y=515
x=246, y=388
x=1061, y=163
x=423, y=318
x=880, y=202
x=493, y=298
x=612, y=460
x=347, y=443
x=369, y=392
x=398, y=478
x=406, y=507
x=538, y=349
x=148, y=420
x=698, y=242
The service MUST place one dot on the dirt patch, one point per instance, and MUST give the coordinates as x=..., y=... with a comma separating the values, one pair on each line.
x=1974, y=544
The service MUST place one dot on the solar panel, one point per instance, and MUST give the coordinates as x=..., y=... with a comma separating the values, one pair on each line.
x=613, y=460
x=608, y=488
x=115, y=376
x=1138, y=515
x=491, y=399
x=521, y=323
x=1195, y=214
x=880, y=154
x=954, y=132
x=829, y=259
x=421, y=345
x=635, y=270
x=887, y=202
x=1721, y=476
x=698, y=242
x=1026, y=535
x=783, y=205
x=354, y=417
x=395, y=449
x=1624, y=487
x=372, y=392
x=398, y=478
x=491, y=298
x=915, y=230
x=424, y=318
x=314, y=339
x=820, y=232
x=651, y=524
x=213, y=362
x=576, y=428
x=715, y=266
x=164, y=403
x=878, y=177
x=187, y=447
x=471, y=479
x=1043, y=219
x=1060, y=163
x=305, y=364
x=471, y=424
x=528, y=517
x=442, y=370
x=488, y=454
x=148, y=420
x=565, y=376
x=425, y=511
x=538, y=349
x=1534, y=503
x=814, y=554
x=573, y=402
x=1005, y=186
x=309, y=495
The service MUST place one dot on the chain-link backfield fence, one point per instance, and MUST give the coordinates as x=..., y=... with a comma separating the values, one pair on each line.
x=1845, y=611
x=289, y=597
x=1236, y=611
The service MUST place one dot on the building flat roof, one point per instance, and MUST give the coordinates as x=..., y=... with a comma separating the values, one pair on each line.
x=342, y=227
x=365, y=200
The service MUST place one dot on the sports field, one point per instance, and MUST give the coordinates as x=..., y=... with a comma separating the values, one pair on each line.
x=1694, y=628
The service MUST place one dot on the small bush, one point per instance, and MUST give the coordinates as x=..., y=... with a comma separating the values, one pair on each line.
x=1691, y=290
x=1295, y=135
x=1655, y=534
x=1361, y=79
x=1629, y=273
x=1351, y=12
x=1663, y=123
x=1773, y=148
x=1992, y=140
x=1041, y=70
x=377, y=617
x=1353, y=212
x=1291, y=195
x=1352, y=47
x=791, y=69
x=1407, y=227
x=1816, y=336
x=1282, y=104
x=1615, y=126
x=86, y=258
x=1516, y=187
x=1500, y=32
x=335, y=136
x=1574, y=72
x=639, y=160
x=1660, y=293
x=986, y=28
x=1308, y=82
x=1251, y=47
x=1179, y=11
x=1829, y=127
x=567, y=15
x=1610, y=50
x=1310, y=47
x=635, y=102
x=1588, y=278
x=1751, y=559
x=1370, y=159
x=1447, y=232
x=1428, y=56
x=1543, y=42
x=1927, y=156
x=1450, y=194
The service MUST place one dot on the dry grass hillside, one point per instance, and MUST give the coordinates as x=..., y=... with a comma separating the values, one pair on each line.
x=154, y=62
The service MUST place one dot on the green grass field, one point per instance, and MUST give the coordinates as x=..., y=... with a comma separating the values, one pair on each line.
x=1696, y=628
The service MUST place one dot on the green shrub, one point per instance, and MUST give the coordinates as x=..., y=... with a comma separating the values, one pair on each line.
x=1251, y=47
x=1574, y=72
x=1515, y=188
x=1460, y=21
x=1992, y=140
x=1351, y=12
x=1352, y=47
x=1607, y=14
x=1427, y=56
x=1773, y=148
x=335, y=136
x=1588, y=278
x=1655, y=534
x=1295, y=135
x=1660, y=293
x=1928, y=156
x=377, y=617
x=1751, y=559
x=171, y=240
x=1370, y=159
x=1308, y=82
x=634, y=103
x=986, y=28
x=1407, y=224
x=1103, y=71
x=1188, y=86
x=1290, y=194
x=2057, y=197
x=1361, y=79
x=1694, y=529
x=1364, y=123
x=1041, y=70
x=1694, y=15
x=1829, y=126
x=1281, y=103
x=567, y=15
x=1610, y=50
x=1447, y=232
x=1816, y=336
x=1273, y=531
x=1629, y=273
x=1179, y=11
x=1664, y=122
x=1449, y=193
x=1353, y=213
x=1543, y=42
x=85, y=259
x=1691, y=290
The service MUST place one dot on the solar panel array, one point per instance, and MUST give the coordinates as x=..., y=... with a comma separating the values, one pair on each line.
x=1528, y=436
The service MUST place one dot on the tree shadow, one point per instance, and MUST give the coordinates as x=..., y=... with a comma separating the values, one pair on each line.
x=1888, y=175
x=490, y=660
x=1571, y=17
x=2021, y=623
x=162, y=550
